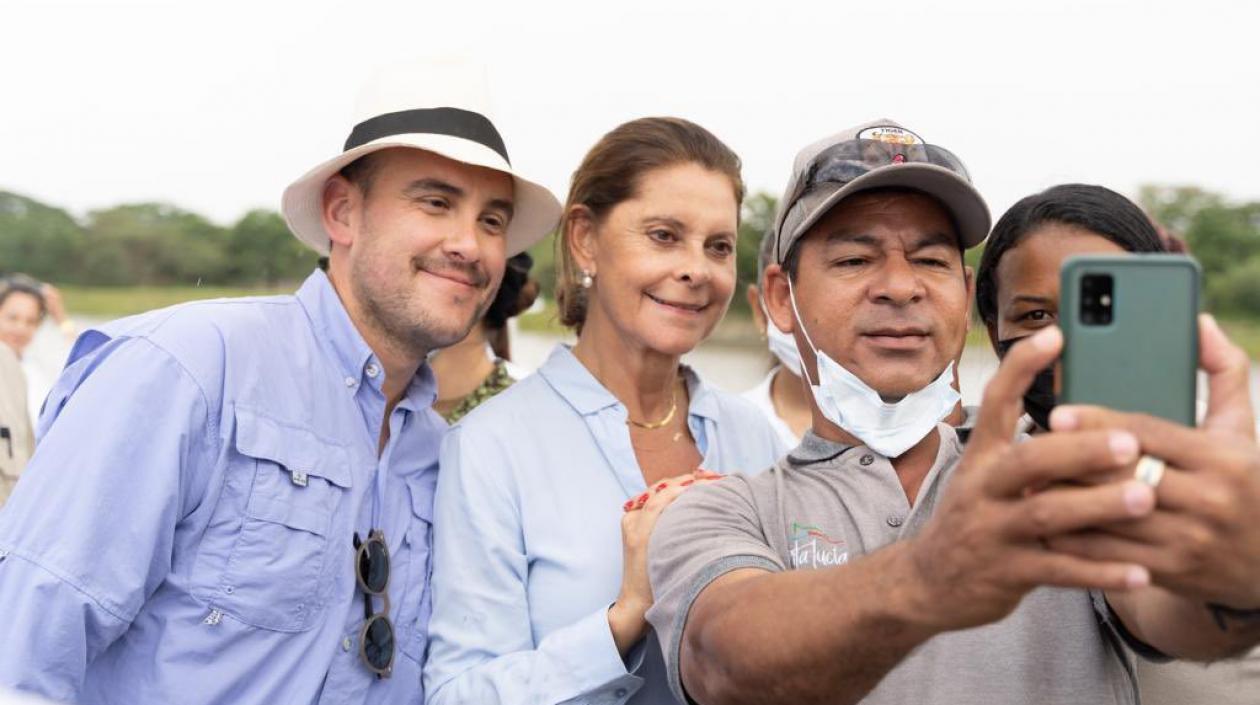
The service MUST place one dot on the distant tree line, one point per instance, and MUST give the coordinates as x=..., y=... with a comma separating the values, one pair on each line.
x=1223, y=236
x=149, y=244
x=156, y=244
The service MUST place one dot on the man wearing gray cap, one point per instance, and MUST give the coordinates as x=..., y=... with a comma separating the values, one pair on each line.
x=877, y=562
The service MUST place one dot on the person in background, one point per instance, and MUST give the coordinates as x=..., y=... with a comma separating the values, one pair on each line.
x=1017, y=294
x=22, y=311
x=1017, y=282
x=479, y=366
x=16, y=439
x=24, y=305
x=549, y=492
x=781, y=396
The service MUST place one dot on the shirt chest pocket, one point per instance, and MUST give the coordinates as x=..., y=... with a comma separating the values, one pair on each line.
x=284, y=489
x=416, y=605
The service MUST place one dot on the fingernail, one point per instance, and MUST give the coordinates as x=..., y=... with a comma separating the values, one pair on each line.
x=1064, y=419
x=628, y=505
x=1210, y=320
x=1137, y=577
x=1047, y=338
x=1139, y=498
x=1124, y=445
x=686, y=483
x=662, y=486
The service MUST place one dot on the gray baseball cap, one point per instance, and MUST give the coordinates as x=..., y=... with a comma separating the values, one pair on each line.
x=878, y=154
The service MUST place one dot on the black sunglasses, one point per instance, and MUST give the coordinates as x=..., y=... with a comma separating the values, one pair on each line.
x=376, y=639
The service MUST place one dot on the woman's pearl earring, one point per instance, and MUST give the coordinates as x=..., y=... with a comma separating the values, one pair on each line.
x=588, y=279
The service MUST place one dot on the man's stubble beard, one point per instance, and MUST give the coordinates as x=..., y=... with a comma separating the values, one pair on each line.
x=386, y=305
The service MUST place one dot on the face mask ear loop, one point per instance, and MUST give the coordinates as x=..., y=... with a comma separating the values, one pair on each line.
x=761, y=299
x=797, y=313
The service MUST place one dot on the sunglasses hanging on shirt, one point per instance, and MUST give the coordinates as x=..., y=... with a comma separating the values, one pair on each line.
x=376, y=639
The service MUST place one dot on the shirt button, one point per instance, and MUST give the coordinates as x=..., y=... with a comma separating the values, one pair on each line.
x=894, y=521
x=345, y=644
x=621, y=692
x=349, y=381
x=229, y=589
x=867, y=459
x=372, y=370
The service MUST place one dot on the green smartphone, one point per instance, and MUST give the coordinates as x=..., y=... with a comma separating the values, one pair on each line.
x=1131, y=333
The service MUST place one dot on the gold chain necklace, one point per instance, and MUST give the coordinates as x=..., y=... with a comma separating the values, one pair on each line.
x=653, y=425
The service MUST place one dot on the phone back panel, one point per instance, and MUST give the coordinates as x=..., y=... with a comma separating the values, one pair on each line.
x=1145, y=359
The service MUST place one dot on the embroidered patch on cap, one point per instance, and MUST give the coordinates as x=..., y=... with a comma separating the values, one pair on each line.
x=890, y=134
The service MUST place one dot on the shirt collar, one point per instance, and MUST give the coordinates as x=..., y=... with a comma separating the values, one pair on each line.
x=343, y=344
x=816, y=449
x=576, y=385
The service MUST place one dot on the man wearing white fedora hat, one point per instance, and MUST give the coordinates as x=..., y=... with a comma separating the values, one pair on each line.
x=231, y=500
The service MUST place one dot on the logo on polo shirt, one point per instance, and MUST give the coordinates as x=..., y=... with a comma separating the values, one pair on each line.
x=813, y=548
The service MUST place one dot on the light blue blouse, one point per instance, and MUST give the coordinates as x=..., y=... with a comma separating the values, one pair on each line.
x=527, y=545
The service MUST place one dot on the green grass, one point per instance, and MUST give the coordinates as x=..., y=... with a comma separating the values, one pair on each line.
x=112, y=302
x=1245, y=332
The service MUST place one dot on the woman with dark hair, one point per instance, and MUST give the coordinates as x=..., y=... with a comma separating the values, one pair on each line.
x=22, y=311
x=479, y=366
x=1017, y=283
x=1017, y=293
x=24, y=304
x=548, y=493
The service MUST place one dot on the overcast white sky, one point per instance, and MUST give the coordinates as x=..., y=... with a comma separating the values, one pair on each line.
x=216, y=106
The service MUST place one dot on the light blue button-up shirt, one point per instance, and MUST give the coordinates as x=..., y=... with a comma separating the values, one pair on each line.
x=527, y=550
x=183, y=533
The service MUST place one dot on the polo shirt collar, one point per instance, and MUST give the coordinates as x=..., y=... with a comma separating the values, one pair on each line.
x=816, y=449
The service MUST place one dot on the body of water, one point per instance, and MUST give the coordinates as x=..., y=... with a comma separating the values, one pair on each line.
x=732, y=368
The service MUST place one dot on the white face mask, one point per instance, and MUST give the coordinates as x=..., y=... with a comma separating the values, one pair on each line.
x=889, y=429
x=782, y=345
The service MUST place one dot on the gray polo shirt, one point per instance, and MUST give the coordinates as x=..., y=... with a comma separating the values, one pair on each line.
x=826, y=505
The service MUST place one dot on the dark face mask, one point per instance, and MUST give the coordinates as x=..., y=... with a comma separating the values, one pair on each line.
x=1039, y=400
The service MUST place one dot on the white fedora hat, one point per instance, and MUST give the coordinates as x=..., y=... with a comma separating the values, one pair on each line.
x=441, y=106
